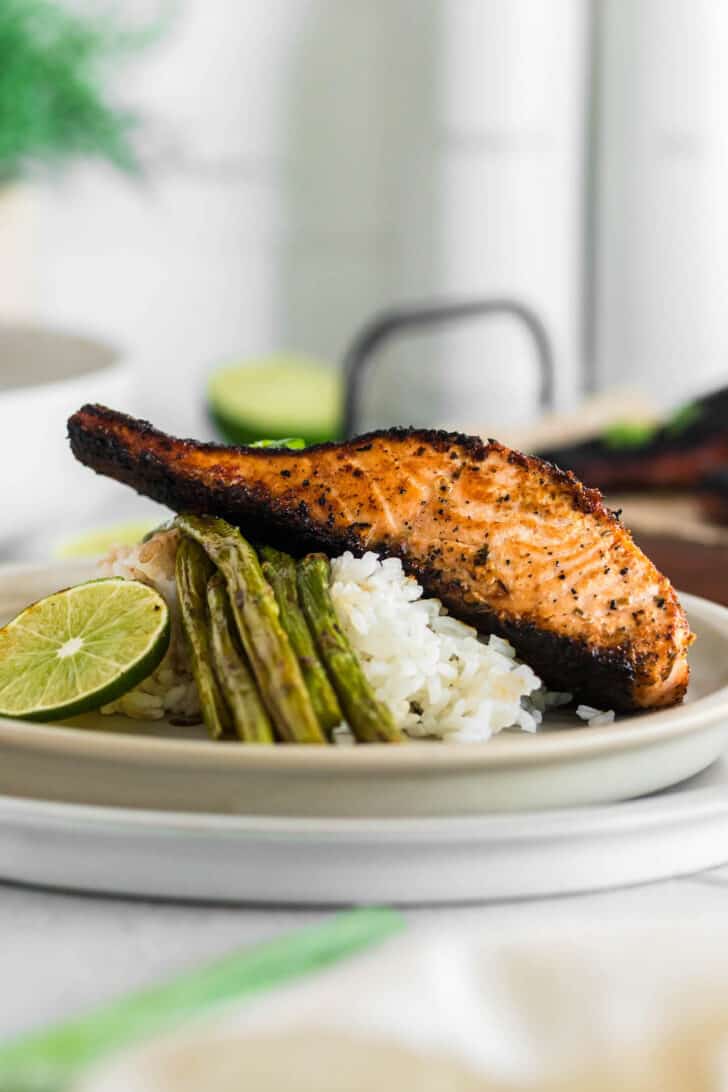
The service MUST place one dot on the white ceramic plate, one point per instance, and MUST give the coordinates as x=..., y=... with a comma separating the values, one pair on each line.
x=128, y=764
x=343, y=861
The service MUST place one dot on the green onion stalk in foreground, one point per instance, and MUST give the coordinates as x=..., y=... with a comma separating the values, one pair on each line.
x=49, y=1060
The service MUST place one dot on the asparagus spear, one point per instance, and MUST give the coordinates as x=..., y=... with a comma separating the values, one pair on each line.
x=370, y=720
x=234, y=676
x=279, y=570
x=255, y=611
x=193, y=570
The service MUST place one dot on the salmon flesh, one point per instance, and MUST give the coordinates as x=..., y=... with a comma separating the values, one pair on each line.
x=508, y=542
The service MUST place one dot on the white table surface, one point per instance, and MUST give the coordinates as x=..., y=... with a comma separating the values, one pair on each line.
x=60, y=953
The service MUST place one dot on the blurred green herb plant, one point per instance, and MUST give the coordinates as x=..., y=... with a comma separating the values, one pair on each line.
x=54, y=61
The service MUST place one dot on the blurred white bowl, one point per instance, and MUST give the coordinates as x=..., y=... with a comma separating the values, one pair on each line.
x=45, y=375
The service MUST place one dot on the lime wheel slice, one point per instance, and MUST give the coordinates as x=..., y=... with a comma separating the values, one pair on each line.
x=81, y=648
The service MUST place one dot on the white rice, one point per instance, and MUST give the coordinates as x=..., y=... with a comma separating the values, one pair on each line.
x=594, y=717
x=435, y=674
x=439, y=678
x=170, y=691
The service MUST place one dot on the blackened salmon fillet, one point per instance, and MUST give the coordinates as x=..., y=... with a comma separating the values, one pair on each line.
x=508, y=542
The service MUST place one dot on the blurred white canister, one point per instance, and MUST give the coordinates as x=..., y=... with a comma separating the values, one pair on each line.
x=508, y=198
x=662, y=199
x=494, y=208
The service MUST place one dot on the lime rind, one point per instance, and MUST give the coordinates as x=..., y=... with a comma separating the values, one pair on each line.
x=81, y=648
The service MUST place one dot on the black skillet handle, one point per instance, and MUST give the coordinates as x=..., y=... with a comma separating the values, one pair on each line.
x=406, y=319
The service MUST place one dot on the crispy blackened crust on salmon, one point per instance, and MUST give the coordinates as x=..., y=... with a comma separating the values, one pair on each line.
x=508, y=542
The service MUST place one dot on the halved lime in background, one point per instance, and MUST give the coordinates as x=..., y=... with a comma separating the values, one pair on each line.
x=275, y=397
x=100, y=540
x=81, y=648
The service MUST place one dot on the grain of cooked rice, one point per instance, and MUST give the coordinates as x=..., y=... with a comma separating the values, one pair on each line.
x=594, y=717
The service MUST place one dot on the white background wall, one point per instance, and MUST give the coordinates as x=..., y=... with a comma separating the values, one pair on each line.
x=662, y=229
x=309, y=161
